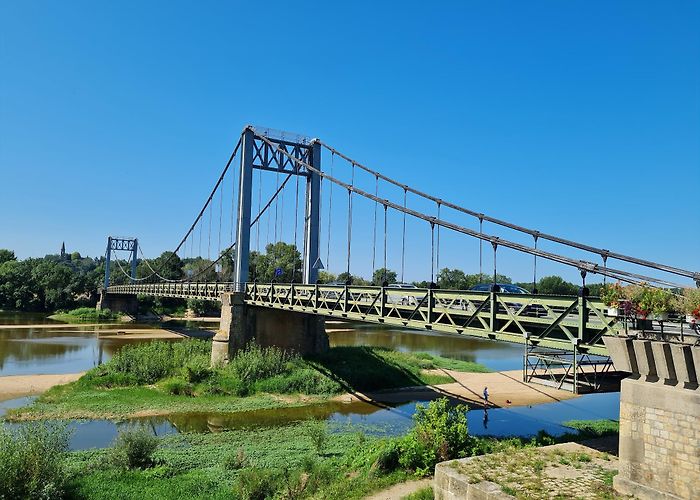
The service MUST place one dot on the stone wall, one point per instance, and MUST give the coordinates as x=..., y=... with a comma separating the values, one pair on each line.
x=659, y=441
x=659, y=418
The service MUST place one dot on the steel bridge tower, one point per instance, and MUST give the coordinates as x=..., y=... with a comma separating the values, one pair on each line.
x=130, y=245
x=259, y=155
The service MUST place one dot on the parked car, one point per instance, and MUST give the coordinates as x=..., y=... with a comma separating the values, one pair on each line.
x=505, y=287
x=408, y=298
x=514, y=290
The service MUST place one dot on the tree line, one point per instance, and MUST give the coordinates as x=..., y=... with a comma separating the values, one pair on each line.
x=54, y=282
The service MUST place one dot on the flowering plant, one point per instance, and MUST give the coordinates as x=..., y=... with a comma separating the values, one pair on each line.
x=612, y=294
x=691, y=302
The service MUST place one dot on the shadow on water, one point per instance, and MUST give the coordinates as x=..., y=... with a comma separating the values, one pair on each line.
x=370, y=418
x=494, y=355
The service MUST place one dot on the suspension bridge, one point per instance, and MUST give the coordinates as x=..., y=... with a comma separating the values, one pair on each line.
x=556, y=331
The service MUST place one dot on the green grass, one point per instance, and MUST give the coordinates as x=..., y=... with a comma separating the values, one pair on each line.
x=198, y=466
x=85, y=314
x=435, y=362
x=173, y=377
x=594, y=428
x=421, y=494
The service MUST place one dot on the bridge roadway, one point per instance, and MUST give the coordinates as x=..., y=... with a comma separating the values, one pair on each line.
x=575, y=324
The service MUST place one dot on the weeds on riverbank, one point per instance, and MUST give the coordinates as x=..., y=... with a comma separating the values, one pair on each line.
x=32, y=462
x=85, y=314
x=183, y=368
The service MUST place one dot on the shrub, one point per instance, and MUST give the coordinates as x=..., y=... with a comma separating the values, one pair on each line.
x=153, y=361
x=32, y=462
x=440, y=433
x=177, y=387
x=133, y=449
x=255, y=484
x=317, y=431
x=236, y=461
x=387, y=459
x=197, y=370
x=300, y=380
x=227, y=383
x=255, y=363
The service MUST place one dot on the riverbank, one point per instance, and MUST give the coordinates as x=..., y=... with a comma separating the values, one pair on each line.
x=17, y=386
x=160, y=378
x=505, y=389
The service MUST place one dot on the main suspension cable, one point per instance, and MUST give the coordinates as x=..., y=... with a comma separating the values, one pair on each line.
x=579, y=264
x=563, y=241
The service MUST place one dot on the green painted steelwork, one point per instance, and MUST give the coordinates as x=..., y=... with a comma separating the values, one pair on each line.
x=560, y=322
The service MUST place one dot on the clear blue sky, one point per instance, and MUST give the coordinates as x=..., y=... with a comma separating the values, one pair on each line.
x=578, y=118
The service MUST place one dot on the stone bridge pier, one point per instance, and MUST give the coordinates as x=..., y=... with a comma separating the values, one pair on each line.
x=119, y=303
x=241, y=324
x=659, y=418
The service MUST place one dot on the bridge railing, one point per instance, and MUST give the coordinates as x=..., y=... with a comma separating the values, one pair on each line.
x=543, y=320
x=185, y=290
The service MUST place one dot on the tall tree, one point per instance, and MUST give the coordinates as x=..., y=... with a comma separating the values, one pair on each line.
x=381, y=275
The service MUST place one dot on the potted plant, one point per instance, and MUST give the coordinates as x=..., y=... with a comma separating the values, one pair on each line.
x=691, y=304
x=662, y=303
x=612, y=295
x=641, y=297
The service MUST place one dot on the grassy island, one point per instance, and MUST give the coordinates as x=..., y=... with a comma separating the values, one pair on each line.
x=171, y=377
x=85, y=314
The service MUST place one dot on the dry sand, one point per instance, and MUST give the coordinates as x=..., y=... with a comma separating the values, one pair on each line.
x=17, y=386
x=505, y=389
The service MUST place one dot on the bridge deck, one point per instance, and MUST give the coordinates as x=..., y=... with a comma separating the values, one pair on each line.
x=543, y=320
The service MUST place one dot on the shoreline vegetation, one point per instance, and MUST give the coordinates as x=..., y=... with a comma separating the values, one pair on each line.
x=161, y=377
x=303, y=459
x=87, y=314
x=309, y=459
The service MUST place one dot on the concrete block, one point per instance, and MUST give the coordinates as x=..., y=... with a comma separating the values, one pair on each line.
x=645, y=358
x=622, y=354
x=683, y=363
x=663, y=360
x=696, y=360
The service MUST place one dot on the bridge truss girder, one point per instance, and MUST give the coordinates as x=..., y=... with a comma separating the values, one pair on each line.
x=560, y=322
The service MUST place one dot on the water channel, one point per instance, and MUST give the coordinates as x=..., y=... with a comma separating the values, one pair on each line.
x=49, y=348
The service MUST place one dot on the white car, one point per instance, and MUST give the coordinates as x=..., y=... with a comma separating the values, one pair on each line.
x=409, y=297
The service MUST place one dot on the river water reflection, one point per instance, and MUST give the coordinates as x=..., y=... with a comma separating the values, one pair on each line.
x=35, y=350
x=32, y=344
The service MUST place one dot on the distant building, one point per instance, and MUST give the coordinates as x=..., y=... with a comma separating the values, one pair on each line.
x=63, y=251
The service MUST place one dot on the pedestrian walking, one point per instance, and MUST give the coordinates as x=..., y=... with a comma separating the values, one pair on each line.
x=486, y=396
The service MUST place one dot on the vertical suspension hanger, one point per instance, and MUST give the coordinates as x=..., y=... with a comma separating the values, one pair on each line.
x=534, y=266
x=330, y=217
x=432, y=254
x=209, y=242
x=277, y=186
x=481, y=247
x=201, y=224
x=403, y=238
x=437, y=253
x=296, y=220
x=257, y=226
x=221, y=216
x=494, y=244
x=352, y=183
x=384, y=282
x=233, y=201
x=374, y=231
x=605, y=268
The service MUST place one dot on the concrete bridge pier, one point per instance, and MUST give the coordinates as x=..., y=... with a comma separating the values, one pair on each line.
x=659, y=418
x=240, y=324
x=118, y=303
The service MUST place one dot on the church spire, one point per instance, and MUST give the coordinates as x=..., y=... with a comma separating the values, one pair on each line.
x=63, y=250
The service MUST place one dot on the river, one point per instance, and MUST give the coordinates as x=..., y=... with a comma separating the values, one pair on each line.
x=53, y=349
